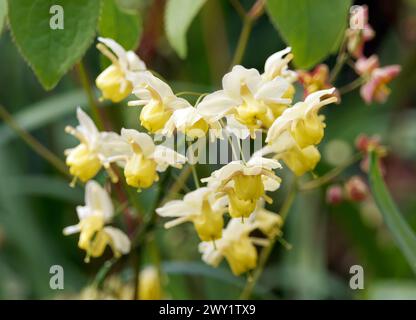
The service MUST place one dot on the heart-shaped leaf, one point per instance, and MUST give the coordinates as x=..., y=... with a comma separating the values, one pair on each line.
x=123, y=27
x=311, y=27
x=52, y=35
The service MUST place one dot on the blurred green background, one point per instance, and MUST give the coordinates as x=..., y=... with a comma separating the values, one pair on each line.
x=36, y=203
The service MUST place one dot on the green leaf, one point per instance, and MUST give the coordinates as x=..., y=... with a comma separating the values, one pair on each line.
x=123, y=27
x=131, y=6
x=52, y=52
x=3, y=13
x=403, y=235
x=310, y=27
x=178, y=17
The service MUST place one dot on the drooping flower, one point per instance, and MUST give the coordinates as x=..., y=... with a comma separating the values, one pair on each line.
x=93, y=217
x=150, y=287
x=245, y=183
x=294, y=135
x=158, y=101
x=359, y=31
x=375, y=78
x=143, y=159
x=94, y=150
x=115, y=81
x=268, y=222
x=200, y=207
x=190, y=122
x=248, y=99
x=317, y=79
x=277, y=65
x=236, y=246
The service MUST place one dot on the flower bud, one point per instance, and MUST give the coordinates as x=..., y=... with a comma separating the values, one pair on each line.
x=356, y=189
x=334, y=194
x=149, y=284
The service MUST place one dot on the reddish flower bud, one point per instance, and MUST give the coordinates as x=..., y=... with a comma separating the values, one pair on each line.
x=334, y=194
x=356, y=189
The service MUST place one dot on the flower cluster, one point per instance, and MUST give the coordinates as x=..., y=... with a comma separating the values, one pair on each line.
x=374, y=77
x=230, y=206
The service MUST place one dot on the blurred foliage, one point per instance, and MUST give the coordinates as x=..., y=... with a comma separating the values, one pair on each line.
x=36, y=202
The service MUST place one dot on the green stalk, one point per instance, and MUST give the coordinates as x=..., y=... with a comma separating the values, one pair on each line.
x=265, y=253
x=85, y=82
x=32, y=142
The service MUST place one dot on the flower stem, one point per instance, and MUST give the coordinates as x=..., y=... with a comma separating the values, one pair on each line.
x=329, y=176
x=189, y=93
x=242, y=41
x=239, y=8
x=248, y=20
x=195, y=176
x=85, y=82
x=32, y=142
x=351, y=86
x=265, y=253
x=341, y=59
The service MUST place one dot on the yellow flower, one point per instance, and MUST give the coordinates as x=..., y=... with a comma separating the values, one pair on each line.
x=190, y=122
x=199, y=207
x=235, y=246
x=94, y=235
x=158, y=100
x=142, y=159
x=150, y=287
x=94, y=150
x=269, y=223
x=83, y=163
x=245, y=183
x=277, y=65
x=293, y=135
x=247, y=101
x=115, y=81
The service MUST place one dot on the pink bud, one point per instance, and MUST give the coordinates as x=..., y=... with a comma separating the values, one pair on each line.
x=334, y=194
x=356, y=189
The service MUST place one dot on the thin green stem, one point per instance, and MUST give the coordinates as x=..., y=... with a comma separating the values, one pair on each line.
x=341, y=59
x=239, y=8
x=178, y=185
x=32, y=142
x=242, y=41
x=189, y=93
x=351, y=86
x=103, y=272
x=330, y=175
x=195, y=176
x=265, y=253
x=85, y=82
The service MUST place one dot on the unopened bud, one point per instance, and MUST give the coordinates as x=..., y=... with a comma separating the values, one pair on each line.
x=356, y=189
x=334, y=194
x=149, y=284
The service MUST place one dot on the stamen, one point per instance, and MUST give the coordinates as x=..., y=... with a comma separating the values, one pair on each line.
x=260, y=242
x=113, y=176
x=73, y=182
x=214, y=244
x=268, y=199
